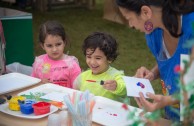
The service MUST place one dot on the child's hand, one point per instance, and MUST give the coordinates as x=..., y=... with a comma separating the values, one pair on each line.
x=110, y=85
x=45, y=80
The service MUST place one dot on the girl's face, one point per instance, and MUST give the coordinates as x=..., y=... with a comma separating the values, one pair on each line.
x=54, y=47
x=134, y=21
x=97, y=61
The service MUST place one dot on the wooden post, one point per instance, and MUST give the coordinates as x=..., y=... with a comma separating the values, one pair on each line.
x=91, y=4
x=112, y=13
x=42, y=5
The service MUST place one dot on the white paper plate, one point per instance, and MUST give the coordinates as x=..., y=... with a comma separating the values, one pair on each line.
x=53, y=92
x=14, y=81
x=110, y=113
x=4, y=108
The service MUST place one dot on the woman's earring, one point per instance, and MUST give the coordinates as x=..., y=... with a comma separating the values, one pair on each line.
x=148, y=26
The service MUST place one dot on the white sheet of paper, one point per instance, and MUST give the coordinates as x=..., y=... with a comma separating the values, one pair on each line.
x=54, y=96
x=112, y=116
x=133, y=89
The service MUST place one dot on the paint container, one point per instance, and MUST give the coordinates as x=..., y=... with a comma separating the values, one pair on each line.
x=13, y=103
x=26, y=106
x=41, y=108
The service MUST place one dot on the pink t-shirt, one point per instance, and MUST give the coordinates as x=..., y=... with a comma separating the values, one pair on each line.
x=62, y=72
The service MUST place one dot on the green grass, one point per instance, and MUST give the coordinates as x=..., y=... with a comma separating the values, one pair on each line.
x=80, y=22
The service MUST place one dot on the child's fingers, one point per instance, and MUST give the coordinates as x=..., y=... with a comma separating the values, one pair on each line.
x=45, y=80
x=110, y=86
x=109, y=81
x=107, y=86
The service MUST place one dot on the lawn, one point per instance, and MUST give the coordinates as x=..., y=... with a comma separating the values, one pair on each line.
x=80, y=22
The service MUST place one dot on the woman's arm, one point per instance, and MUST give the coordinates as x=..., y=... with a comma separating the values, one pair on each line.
x=159, y=101
x=155, y=71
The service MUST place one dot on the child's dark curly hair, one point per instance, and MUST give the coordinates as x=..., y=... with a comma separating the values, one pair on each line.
x=105, y=42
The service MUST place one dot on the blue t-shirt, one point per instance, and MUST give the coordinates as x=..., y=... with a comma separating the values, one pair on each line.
x=165, y=65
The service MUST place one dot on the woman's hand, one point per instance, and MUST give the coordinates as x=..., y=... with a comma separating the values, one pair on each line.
x=159, y=101
x=143, y=72
x=110, y=85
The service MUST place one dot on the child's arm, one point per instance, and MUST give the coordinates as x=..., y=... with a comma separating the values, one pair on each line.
x=35, y=71
x=45, y=80
x=117, y=86
x=77, y=82
x=74, y=71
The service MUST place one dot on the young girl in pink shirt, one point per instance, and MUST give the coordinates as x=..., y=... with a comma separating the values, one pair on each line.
x=55, y=66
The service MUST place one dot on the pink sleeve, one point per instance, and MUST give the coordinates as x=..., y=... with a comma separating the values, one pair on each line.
x=75, y=71
x=37, y=62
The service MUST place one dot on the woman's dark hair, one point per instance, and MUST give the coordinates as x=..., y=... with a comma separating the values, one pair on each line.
x=52, y=28
x=171, y=9
x=105, y=42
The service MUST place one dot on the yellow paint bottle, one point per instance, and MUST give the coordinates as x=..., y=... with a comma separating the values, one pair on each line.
x=13, y=103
